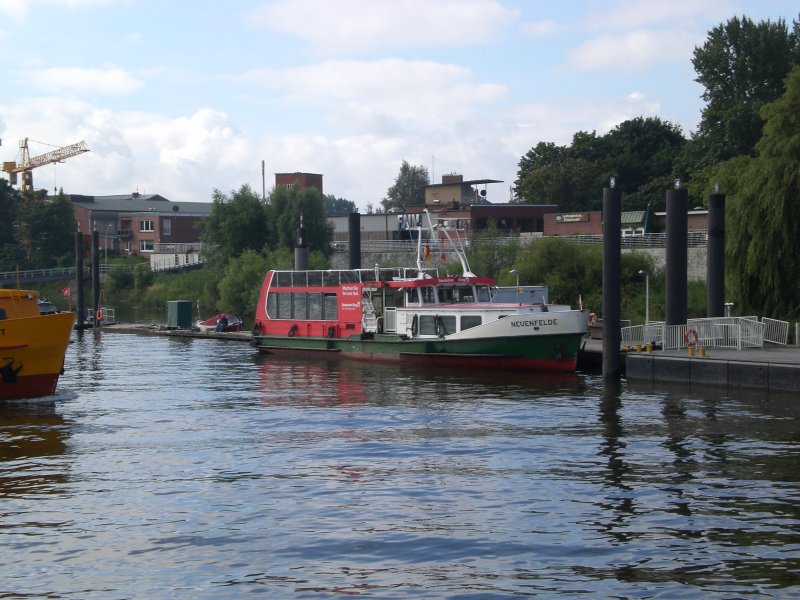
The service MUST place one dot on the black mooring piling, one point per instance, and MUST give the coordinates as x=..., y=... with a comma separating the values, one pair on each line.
x=715, y=262
x=95, y=275
x=80, y=299
x=612, y=249
x=354, y=232
x=677, y=253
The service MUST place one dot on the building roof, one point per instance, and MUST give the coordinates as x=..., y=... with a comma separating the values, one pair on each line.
x=140, y=203
x=632, y=217
x=468, y=182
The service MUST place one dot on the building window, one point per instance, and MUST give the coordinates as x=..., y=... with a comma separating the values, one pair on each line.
x=145, y=245
x=166, y=227
x=146, y=226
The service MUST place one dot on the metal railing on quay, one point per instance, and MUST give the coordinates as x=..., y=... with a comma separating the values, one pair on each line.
x=721, y=332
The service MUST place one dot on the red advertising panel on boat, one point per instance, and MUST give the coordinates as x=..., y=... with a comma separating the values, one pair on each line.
x=350, y=303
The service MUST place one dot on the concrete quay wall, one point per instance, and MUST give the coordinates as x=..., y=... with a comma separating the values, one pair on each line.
x=765, y=372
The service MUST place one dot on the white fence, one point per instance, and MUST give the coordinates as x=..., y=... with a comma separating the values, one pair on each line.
x=723, y=332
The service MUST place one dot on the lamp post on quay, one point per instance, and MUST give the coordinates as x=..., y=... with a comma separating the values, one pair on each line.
x=106, y=247
x=646, y=297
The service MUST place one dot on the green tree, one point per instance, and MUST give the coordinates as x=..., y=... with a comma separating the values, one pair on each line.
x=119, y=283
x=408, y=188
x=50, y=231
x=640, y=150
x=241, y=285
x=637, y=152
x=763, y=244
x=286, y=206
x=568, y=270
x=10, y=250
x=338, y=206
x=489, y=254
x=572, y=184
x=237, y=222
x=742, y=66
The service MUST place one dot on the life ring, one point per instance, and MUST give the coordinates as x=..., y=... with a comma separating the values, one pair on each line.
x=691, y=338
x=99, y=315
x=592, y=318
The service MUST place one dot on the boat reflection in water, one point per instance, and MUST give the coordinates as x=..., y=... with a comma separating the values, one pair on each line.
x=330, y=382
x=31, y=434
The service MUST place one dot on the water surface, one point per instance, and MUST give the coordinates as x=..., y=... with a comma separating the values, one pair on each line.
x=171, y=468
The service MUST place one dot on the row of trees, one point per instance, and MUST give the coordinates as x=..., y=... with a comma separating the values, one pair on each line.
x=35, y=232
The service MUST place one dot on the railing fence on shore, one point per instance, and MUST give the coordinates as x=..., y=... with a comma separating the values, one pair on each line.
x=722, y=332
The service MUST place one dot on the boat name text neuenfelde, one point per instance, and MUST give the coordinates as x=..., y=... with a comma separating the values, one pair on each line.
x=535, y=323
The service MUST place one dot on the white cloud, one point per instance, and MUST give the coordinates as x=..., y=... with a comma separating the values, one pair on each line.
x=624, y=15
x=19, y=9
x=632, y=51
x=541, y=28
x=347, y=26
x=387, y=95
x=559, y=119
x=109, y=80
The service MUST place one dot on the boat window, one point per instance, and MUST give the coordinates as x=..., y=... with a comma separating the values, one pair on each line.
x=483, y=293
x=272, y=306
x=284, y=278
x=330, y=307
x=428, y=295
x=315, y=306
x=284, y=306
x=3, y=316
x=300, y=305
x=459, y=294
x=315, y=278
x=469, y=321
x=445, y=295
x=411, y=297
x=427, y=325
x=447, y=324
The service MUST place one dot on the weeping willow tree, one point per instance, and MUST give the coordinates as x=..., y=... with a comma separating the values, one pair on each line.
x=763, y=240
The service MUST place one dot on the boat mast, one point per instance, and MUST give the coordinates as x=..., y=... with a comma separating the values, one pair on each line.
x=459, y=250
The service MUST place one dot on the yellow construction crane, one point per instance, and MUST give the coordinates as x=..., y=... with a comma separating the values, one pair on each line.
x=26, y=164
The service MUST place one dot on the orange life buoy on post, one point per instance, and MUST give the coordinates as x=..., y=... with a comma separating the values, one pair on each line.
x=99, y=315
x=691, y=338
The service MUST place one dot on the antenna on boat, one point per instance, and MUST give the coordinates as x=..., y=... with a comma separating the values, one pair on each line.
x=457, y=248
x=419, y=252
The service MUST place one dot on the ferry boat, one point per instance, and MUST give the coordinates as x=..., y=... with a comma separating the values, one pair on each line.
x=413, y=315
x=33, y=343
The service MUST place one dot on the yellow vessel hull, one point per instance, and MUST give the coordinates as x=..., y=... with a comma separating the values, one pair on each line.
x=32, y=350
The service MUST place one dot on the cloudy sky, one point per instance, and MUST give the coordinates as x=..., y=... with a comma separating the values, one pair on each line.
x=183, y=97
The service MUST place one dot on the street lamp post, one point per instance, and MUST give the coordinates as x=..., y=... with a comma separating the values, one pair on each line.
x=106, y=246
x=515, y=272
x=646, y=297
